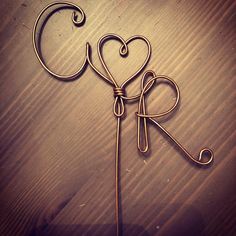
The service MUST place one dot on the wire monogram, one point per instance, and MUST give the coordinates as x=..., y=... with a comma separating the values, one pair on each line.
x=149, y=78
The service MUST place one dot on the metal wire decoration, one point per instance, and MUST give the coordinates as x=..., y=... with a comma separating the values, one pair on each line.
x=120, y=97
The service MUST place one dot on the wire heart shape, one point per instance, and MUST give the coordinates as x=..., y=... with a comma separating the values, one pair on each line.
x=124, y=51
x=119, y=90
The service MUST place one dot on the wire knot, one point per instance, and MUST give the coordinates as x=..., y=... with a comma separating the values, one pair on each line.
x=119, y=107
x=119, y=92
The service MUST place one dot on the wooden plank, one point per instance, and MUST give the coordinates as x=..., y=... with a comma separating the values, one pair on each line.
x=57, y=139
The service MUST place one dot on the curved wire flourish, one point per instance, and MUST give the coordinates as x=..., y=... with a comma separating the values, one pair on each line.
x=119, y=90
x=36, y=41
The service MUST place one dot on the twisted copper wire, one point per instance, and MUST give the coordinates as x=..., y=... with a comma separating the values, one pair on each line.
x=119, y=90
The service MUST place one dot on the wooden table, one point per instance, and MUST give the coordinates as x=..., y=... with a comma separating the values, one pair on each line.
x=57, y=139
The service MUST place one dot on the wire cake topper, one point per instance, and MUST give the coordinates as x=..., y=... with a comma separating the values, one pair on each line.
x=149, y=78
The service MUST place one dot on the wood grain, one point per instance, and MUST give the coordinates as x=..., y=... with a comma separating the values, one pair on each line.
x=57, y=139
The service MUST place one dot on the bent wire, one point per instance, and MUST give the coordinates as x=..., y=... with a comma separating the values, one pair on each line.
x=143, y=115
x=149, y=79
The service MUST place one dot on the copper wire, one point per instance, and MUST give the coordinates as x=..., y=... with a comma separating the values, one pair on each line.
x=142, y=115
x=120, y=96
